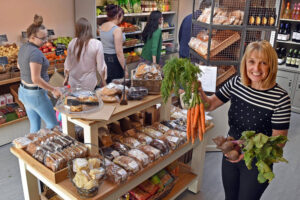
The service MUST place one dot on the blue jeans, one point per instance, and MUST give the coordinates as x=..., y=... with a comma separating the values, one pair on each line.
x=38, y=105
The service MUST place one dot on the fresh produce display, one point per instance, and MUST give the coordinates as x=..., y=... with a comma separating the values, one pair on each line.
x=11, y=52
x=62, y=40
x=266, y=150
x=48, y=47
x=179, y=72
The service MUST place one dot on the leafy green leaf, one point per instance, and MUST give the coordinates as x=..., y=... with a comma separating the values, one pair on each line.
x=247, y=134
x=269, y=176
x=259, y=140
x=261, y=178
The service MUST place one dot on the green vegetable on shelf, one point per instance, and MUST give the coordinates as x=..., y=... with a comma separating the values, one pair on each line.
x=266, y=151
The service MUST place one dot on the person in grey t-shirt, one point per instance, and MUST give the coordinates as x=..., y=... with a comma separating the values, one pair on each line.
x=34, y=85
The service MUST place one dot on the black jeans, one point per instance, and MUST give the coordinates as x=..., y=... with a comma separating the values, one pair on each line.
x=114, y=68
x=240, y=183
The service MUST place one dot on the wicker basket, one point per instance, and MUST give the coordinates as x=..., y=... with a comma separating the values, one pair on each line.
x=131, y=59
x=153, y=86
x=130, y=29
x=84, y=193
x=130, y=43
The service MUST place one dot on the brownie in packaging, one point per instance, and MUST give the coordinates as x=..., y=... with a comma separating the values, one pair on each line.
x=152, y=152
x=172, y=141
x=116, y=173
x=176, y=133
x=140, y=156
x=131, y=142
x=139, y=194
x=161, y=145
x=149, y=187
x=140, y=136
x=151, y=132
x=21, y=142
x=54, y=162
x=110, y=153
x=128, y=163
x=160, y=127
x=121, y=148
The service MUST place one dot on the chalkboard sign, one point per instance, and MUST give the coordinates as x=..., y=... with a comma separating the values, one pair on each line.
x=3, y=38
x=24, y=34
x=61, y=46
x=3, y=60
x=50, y=32
x=59, y=52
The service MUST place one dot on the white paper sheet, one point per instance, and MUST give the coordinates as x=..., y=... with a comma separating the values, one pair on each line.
x=208, y=78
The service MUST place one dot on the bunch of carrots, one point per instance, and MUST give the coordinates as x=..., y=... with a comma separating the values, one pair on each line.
x=195, y=119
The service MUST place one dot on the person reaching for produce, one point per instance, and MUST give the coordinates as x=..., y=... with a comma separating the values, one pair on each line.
x=85, y=58
x=152, y=37
x=112, y=38
x=258, y=104
x=34, y=84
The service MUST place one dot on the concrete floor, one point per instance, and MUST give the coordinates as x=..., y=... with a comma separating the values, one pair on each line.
x=285, y=186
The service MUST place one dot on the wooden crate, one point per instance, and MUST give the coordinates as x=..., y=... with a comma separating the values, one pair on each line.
x=55, y=177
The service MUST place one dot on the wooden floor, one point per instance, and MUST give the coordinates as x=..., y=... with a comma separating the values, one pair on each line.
x=285, y=186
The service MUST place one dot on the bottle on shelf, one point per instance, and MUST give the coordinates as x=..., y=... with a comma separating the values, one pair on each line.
x=294, y=57
x=265, y=17
x=289, y=58
x=287, y=32
x=297, y=15
x=272, y=17
x=298, y=33
x=293, y=15
x=295, y=33
x=280, y=32
x=280, y=55
x=298, y=60
x=287, y=11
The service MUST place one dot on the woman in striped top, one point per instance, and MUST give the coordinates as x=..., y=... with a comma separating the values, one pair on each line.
x=257, y=103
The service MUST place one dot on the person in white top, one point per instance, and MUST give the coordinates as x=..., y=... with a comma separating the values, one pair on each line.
x=85, y=58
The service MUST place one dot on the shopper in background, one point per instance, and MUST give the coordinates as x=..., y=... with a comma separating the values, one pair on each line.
x=34, y=85
x=152, y=37
x=185, y=36
x=258, y=104
x=112, y=38
x=85, y=58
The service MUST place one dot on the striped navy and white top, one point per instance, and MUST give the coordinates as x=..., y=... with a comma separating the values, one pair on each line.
x=258, y=110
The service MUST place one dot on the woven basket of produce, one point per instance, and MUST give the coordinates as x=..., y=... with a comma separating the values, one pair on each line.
x=130, y=42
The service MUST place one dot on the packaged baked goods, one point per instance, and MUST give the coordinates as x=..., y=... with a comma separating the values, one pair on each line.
x=80, y=164
x=128, y=163
x=135, y=117
x=21, y=142
x=140, y=136
x=152, y=152
x=110, y=99
x=151, y=132
x=39, y=154
x=94, y=163
x=147, y=72
x=104, y=137
x=31, y=147
x=161, y=145
x=140, y=156
x=125, y=124
x=121, y=148
x=116, y=173
x=97, y=173
x=81, y=179
x=136, y=124
x=149, y=187
x=160, y=127
x=172, y=141
x=180, y=134
x=117, y=137
x=89, y=185
x=110, y=153
x=131, y=142
x=52, y=162
x=115, y=127
x=139, y=194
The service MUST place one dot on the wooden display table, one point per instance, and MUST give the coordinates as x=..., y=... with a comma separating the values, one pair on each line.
x=90, y=128
x=189, y=177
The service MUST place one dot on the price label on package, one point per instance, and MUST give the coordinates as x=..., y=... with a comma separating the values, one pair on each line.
x=208, y=78
x=3, y=38
x=3, y=60
x=50, y=32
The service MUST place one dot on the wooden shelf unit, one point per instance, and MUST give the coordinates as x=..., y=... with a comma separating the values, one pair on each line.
x=13, y=121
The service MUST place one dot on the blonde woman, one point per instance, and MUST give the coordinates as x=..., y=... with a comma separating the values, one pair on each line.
x=257, y=103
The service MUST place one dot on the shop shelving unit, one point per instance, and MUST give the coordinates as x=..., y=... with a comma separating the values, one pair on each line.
x=289, y=77
x=232, y=53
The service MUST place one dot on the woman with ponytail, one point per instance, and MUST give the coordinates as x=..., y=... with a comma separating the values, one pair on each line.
x=85, y=58
x=112, y=38
x=152, y=38
x=34, y=85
